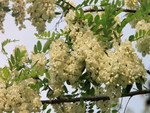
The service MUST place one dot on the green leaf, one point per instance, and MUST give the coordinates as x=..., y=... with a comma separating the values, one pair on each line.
x=82, y=102
x=44, y=106
x=95, y=1
x=114, y=105
x=6, y=9
x=4, y=43
x=65, y=89
x=84, y=76
x=127, y=89
x=48, y=111
x=90, y=20
x=35, y=49
x=136, y=35
x=45, y=80
x=77, y=14
x=48, y=34
x=57, y=13
x=47, y=45
x=39, y=46
x=139, y=86
x=91, y=111
x=53, y=35
x=81, y=13
x=95, y=8
x=94, y=28
x=97, y=19
x=114, y=111
x=17, y=54
x=92, y=91
x=57, y=36
x=12, y=59
x=131, y=38
x=9, y=111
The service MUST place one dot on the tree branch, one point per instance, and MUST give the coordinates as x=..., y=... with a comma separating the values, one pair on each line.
x=148, y=72
x=124, y=10
x=58, y=101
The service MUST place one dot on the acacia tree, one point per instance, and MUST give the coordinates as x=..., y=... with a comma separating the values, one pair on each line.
x=88, y=55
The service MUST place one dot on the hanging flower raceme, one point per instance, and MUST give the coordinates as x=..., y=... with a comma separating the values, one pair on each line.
x=39, y=60
x=113, y=69
x=41, y=12
x=132, y=4
x=19, y=12
x=3, y=4
x=19, y=97
x=143, y=44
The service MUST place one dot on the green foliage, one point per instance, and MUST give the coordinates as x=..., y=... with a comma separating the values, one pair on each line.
x=38, y=47
x=138, y=35
x=101, y=25
x=88, y=3
x=115, y=111
x=49, y=37
x=5, y=74
x=127, y=89
x=4, y=43
x=65, y=6
x=6, y=9
x=139, y=86
x=36, y=86
x=48, y=111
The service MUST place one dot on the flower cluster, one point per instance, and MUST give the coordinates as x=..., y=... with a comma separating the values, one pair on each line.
x=3, y=4
x=143, y=44
x=19, y=97
x=58, y=54
x=41, y=12
x=71, y=3
x=39, y=60
x=113, y=69
x=132, y=4
x=22, y=50
x=63, y=66
x=69, y=108
x=18, y=11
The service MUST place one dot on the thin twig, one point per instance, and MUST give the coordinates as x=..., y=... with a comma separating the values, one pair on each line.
x=62, y=100
x=148, y=72
x=127, y=104
x=69, y=4
x=117, y=9
x=120, y=104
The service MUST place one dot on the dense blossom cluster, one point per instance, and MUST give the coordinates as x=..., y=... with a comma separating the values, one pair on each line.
x=3, y=4
x=63, y=66
x=39, y=60
x=58, y=56
x=41, y=12
x=140, y=24
x=132, y=4
x=69, y=108
x=22, y=49
x=82, y=52
x=116, y=68
x=18, y=11
x=19, y=97
x=143, y=25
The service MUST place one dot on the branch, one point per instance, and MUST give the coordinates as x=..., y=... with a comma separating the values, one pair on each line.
x=117, y=9
x=148, y=72
x=58, y=101
x=71, y=6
